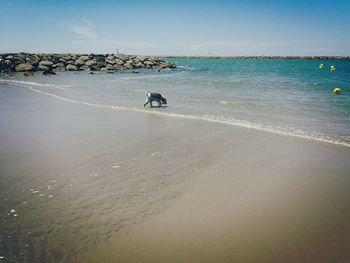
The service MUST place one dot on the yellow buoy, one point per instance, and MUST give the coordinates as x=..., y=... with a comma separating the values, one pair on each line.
x=332, y=69
x=336, y=91
x=321, y=66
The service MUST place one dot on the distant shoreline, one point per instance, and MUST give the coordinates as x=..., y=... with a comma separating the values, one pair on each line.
x=265, y=57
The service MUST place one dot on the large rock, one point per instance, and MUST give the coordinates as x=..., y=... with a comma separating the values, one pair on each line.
x=58, y=65
x=85, y=68
x=62, y=60
x=42, y=67
x=128, y=65
x=46, y=63
x=71, y=67
x=32, y=59
x=110, y=57
x=79, y=62
x=119, y=61
x=90, y=62
x=148, y=64
x=60, y=68
x=110, y=61
x=141, y=58
x=84, y=58
x=110, y=67
x=139, y=65
x=24, y=67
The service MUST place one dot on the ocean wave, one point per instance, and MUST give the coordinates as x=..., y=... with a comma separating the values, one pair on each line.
x=208, y=118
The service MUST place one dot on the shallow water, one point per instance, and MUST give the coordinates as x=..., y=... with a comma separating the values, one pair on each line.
x=291, y=97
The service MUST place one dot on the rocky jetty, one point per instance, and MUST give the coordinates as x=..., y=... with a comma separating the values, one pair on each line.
x=50, y=63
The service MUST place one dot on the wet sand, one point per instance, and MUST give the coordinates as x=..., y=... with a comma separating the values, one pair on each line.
x=98, y=185
x=267, y=199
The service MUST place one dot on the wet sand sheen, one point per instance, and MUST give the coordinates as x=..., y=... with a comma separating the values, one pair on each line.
x=130, y=187
x=268, y=199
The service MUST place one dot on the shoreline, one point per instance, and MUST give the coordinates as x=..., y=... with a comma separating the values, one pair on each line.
x=235, y=123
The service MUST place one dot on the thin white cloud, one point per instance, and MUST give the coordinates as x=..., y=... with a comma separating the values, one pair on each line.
x=84, y=29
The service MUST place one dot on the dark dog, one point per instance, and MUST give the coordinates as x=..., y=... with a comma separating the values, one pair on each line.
x=155, y=97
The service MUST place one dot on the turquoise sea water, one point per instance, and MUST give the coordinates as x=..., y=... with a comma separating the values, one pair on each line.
x=291, y=97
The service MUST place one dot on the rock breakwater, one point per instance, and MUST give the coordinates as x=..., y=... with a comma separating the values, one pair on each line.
x=27, y=62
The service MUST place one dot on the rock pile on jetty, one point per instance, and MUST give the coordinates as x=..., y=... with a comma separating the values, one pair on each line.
x=26, y=62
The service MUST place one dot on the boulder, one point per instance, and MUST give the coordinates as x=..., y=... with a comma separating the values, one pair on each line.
x=62, y=60
x=84, y=58
x=109, y=67
x=148, y=63
x=32, y=60
x=79, y=62
x=71, y=67
x=139, y=65
x=45, y=63
x=42, y=67
x=90, y=62
x=110, y=61
x=128, y=65
x=118, y=67
x=110, y=57
x=60, y=68
x=66, y=57
x=119, y=61
x=86, y=68
x=141, y=58
x=24, y=67
x=60, y=64
x=55, y=60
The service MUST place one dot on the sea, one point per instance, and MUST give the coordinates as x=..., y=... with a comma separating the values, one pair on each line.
x=289, y=97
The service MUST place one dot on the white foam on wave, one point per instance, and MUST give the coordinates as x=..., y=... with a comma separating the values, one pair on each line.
x=208, y=118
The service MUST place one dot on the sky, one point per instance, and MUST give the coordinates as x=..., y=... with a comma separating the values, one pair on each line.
x=192, y=27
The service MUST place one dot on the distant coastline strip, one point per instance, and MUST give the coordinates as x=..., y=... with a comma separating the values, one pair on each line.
x=262, y=57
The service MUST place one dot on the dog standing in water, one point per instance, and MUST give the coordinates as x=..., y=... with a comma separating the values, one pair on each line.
x=155, y=97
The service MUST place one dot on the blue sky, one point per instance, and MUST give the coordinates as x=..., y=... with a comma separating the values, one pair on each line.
x=189, y=27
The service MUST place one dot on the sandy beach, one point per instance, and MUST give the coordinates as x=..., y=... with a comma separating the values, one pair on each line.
x=99, y=185
x=175, y=131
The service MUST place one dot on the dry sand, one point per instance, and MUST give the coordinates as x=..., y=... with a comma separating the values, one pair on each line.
x=133, y=187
